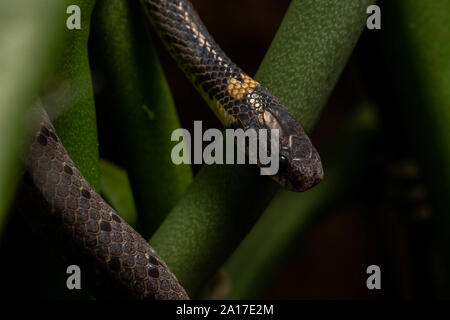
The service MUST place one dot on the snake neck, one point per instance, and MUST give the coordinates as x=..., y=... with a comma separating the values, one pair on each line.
x=237, y=100
x=223, y=85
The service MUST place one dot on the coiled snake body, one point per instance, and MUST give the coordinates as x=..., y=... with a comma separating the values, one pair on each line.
x=113, y=247
x=239, y=101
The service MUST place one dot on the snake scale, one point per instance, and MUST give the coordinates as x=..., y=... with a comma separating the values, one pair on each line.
x=115, y=248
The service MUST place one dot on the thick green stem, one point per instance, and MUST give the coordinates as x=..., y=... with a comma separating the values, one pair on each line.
x=69, y=97
x=302, y=66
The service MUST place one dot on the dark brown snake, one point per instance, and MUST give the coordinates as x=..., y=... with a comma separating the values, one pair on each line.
x=239, y=102
x=114, y=247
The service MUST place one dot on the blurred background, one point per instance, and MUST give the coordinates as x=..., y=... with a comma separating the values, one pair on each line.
x=387, y=204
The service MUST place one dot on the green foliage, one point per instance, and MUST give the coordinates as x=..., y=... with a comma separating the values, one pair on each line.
x=309, y=52
x=29, y=33
x=116, y=190
x=69, y=98
x=224, y=201
x=141, y=108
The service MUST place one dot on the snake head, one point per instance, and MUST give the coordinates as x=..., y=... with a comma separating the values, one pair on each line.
x=300, y=167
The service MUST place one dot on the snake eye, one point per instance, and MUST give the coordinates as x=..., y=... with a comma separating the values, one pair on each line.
x=284, y=161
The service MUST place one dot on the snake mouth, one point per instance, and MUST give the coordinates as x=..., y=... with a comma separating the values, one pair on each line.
x=303, y=182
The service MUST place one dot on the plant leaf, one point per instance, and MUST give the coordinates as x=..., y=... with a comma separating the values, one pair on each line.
x=140, y=106
x=69, y=97
x=116, y=191
x=29, y=32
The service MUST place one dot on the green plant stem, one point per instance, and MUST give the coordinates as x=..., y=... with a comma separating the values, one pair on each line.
x=302, y=66
x=116, y=190
x=141, y=108
x=266, y=248
x=28, y=36
x=69, y=97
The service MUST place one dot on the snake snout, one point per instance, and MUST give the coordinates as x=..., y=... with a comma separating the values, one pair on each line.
x=308, y=173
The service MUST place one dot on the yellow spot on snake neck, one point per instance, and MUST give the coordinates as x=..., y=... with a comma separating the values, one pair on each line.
x=238, y=89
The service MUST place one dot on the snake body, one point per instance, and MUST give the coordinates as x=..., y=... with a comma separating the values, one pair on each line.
x=117, y=250
x=236, y=99
x=112, y=245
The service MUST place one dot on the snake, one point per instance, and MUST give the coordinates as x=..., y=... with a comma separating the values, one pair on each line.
x=85, y=219
x=237, y=100
x=78, y=212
